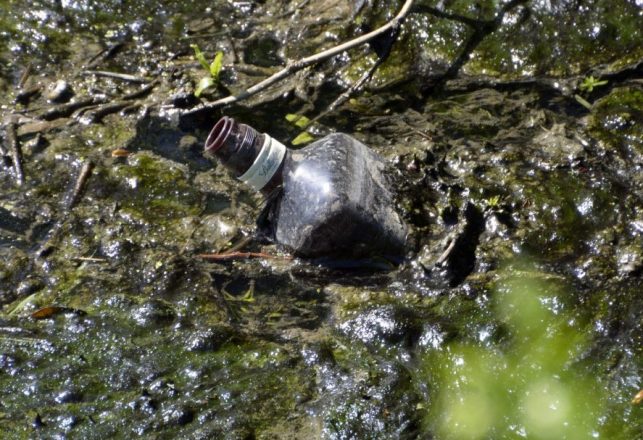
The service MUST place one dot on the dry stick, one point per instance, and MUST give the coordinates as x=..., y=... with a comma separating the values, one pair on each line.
x=481, y=28
x=71, y=201
x=298, y=65
x=142, y=92
x=25, y=76
x=81, y=182
x=16, y=152
x=105, y=55
x=360, y=82
x=241, y=255
x=100, y=112
x=64, y=110
x=115, y=75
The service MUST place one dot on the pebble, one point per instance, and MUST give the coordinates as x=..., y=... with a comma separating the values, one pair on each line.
x=60, y=92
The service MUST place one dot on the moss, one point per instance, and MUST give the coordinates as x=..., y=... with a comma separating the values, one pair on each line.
x=616, y=120
x=154, y=189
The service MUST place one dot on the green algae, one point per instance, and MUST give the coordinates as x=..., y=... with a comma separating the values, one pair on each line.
x=164, y=345
x=161, y=187
x=616, y=120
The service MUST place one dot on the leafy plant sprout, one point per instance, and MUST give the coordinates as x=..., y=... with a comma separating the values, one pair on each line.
x=588, y=85
x=590, y=82
x=213, y=69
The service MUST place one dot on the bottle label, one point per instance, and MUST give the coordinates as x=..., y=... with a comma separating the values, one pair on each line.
x=265, y=165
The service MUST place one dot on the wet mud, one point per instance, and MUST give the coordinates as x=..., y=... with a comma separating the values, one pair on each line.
x=524, y=203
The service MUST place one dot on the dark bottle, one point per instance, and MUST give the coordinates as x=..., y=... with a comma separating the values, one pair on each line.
x=331, y=198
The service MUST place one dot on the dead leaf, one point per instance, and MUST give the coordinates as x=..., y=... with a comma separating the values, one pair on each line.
x=120, y=152
x=638, y=398
x=50, y=311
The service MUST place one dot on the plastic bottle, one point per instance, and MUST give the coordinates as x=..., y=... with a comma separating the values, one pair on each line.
x=328, y=199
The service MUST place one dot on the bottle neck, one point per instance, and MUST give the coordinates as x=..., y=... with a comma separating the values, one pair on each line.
x=255, y=158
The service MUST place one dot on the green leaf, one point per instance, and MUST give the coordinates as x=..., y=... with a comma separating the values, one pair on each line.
x=217, y=64
x=590, y=82
x=300, y=121
x=303, y=138
x=205, y=83
x=583, y=102
x=200, y=57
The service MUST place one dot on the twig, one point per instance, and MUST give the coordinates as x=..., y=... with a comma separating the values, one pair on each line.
x=300, y=64
x=98, y=114
x=446, y=15
x=293, y=10
x=115, y=75
x=16, y=152
x=481, y=28
x=241, y=256
x=64, y=110
x=25, y=76
x=239, y=244
x=142, y=92
x=81, y=183
x=71, y=201
x=24, y=96
x=41, y=126
x=105, y=55
x=360, y=82
x=442, y=258
x=91, y=259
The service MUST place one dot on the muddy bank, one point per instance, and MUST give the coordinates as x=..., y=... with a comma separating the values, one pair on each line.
x=522, y=275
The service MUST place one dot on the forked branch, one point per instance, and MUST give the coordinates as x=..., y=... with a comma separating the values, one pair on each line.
x=295, y=66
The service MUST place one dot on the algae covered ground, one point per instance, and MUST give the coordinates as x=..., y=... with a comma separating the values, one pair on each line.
x=512, y=131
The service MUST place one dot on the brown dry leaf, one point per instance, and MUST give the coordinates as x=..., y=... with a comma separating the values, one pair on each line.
x=50, y=311
x=47, y=312
x=120, y=152
x=638, y=398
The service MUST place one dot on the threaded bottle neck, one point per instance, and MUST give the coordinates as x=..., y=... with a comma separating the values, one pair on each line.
x=253, y=157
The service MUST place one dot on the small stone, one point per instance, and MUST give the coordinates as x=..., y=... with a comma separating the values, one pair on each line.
x=184, y=100
x=68, y=396
x=178, y=415
x=60, y=92
x=28, y=287
x=153, y=313
x=207, y=339
x=189, y=143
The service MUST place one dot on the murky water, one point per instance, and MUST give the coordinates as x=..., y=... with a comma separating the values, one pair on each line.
x=517, y=311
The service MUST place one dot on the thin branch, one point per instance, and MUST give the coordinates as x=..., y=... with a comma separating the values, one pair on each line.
x=242, y=256
x=65, y=110
x=481, y=28
x=25, y=75
x=80, y=184
x=142, y=92
x=116, y=75
x=96, y=115
x=446, y=15
x=341, y=99
x=300, y=64
x=70, y=201
x=16, y=152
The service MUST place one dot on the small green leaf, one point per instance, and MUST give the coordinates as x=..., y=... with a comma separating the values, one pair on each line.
x=200, y=57
x=303, y=138
x=590, y=82
x=300, y=121
x=205, y=83
x=215, y=67
x=493, y=201
x=583, y=102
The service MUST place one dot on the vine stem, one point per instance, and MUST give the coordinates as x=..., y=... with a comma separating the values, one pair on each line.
x=295, y=66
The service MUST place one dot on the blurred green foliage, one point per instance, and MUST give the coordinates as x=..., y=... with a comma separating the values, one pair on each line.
x=527, y=383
